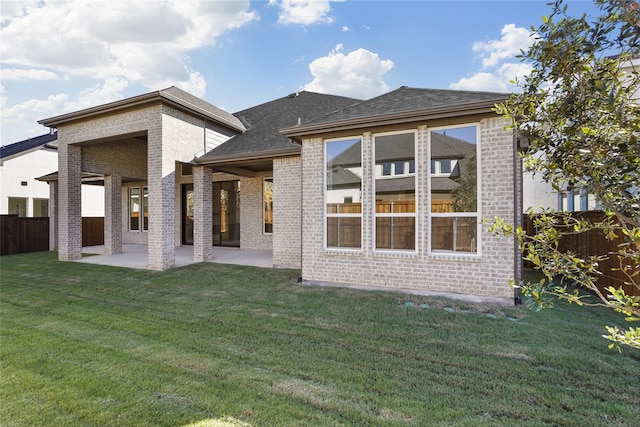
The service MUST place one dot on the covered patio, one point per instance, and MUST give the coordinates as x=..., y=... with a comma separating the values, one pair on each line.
x=136, y=256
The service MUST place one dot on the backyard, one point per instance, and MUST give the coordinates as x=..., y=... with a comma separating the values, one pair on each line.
x=222, y=345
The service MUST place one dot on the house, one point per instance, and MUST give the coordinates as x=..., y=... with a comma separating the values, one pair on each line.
x=21, y=163
x=539, y=195
x=385, y=192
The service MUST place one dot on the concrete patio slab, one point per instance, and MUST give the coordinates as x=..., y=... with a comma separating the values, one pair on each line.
x=136, y=256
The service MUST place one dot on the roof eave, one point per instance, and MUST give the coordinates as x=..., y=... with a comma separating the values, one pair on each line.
x=136, y=101
x=228, y=158
x=462, y=110
x=139, y=100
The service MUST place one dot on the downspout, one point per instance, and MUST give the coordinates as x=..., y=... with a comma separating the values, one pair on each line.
x=517, y=219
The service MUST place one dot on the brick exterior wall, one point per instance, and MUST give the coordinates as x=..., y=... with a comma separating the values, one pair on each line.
x=113, y=214
x=69, y=200
x=202, y=213
x=252, y=234
x=53, y=215
x=484, y=274
x=287, y=212
x=172, y=136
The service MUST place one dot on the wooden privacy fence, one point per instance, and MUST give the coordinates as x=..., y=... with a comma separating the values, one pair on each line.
x=591, y=243
x=398, y=232
x=92, y=230
x=21, y=235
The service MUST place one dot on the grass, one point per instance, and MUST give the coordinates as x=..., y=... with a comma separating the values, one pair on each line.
x=220, y=345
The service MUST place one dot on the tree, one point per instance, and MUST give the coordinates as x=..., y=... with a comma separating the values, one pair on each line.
x=578, y=114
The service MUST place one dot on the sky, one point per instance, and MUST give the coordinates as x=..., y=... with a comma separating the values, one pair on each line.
x=62, y=56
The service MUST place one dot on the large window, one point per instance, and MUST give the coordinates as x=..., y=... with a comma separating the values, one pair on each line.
x=267, y=201
x=395, y=191
x=18, y=206
x=138, y=209
x=454, y=190
x=40, y=207
x=343, y=191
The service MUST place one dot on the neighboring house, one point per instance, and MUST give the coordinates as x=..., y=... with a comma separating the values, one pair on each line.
x=384, y=192
x=539, y=195
x=21, y=163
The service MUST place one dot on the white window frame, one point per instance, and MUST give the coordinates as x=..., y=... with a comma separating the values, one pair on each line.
x=438, y=167
x=477, y=215
x=327, y=215
x=143, y=202
x=375, y=176
x=393, y=172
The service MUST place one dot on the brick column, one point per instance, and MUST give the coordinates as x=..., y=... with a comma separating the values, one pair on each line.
x=70, y=203
x=162, y=206
x=202, y=215
x=53, y=215
x=287, y=212
x=113, y=214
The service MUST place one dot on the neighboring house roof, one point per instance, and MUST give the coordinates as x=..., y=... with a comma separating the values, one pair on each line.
x=12, y=150
x=343, y=178
x=448, y=147
x=172, y=95
x=442, y=147
x=262, y=123
x=400, y=106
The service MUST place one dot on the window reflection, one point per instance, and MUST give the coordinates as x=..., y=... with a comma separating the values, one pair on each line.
x=395, y=191
x=454, y=189
x=343, y=193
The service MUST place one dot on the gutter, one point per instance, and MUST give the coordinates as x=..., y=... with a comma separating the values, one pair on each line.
x=242, y=157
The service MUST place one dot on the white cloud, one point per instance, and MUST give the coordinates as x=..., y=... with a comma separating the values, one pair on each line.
x=303, y=12
x=143, y=42
x=499, y=62
x=357, y=74
x=481, y=82
x=15, y=8
x=345, y=29
x=40, y=107
x=12, y=74
x=107, y=46
x=513, y=40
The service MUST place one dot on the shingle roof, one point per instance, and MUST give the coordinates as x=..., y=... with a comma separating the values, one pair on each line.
x=197, y=104
x=263, y=122
x=27, y=144
x=407, y=99
x=401, y=106
x=341, y=177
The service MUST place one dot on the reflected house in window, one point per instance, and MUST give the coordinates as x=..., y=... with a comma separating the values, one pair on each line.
x=344, y=193
x=454, y=192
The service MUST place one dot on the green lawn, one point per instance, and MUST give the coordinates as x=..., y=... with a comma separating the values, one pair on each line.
x=221, y=345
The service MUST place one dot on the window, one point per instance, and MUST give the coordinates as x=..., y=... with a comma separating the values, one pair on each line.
x=395, y=193
x=397, y=168
x=41, y=207
x=267, y=201
x=443, y=167
x=343, y=220
x=138, y=208
x=186, y=169
x=18, y=206
x=454, y=190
